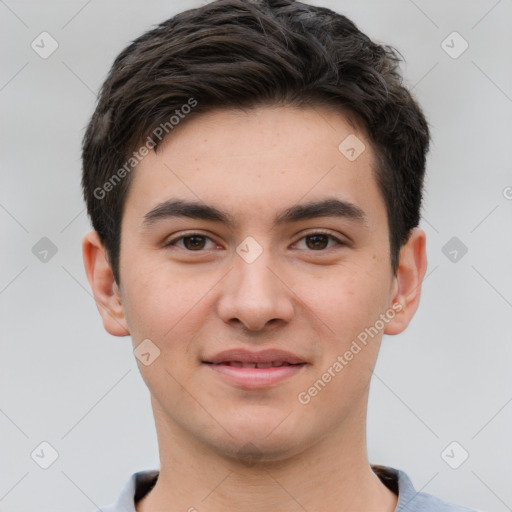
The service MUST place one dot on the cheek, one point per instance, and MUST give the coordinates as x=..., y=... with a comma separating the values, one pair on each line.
x=347, y=300
x=166, y=308
x=152, y=305
x=349, y=307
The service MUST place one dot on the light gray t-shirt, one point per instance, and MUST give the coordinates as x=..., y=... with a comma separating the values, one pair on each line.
x=397, y=481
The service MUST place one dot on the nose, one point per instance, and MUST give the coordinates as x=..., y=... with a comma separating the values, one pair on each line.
x=256, y=295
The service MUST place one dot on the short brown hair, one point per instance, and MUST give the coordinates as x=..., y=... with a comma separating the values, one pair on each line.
x=242, y=54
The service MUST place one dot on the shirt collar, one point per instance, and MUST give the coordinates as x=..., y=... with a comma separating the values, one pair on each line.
x=397, y=481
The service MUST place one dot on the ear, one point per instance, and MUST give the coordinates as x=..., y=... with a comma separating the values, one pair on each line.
x=407, y=281
x=103, y=285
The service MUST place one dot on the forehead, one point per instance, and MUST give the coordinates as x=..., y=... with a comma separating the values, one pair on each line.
x=259, y=160
x=289, y=132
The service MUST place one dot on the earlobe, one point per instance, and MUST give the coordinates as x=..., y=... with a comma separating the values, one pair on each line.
x=104, y=288
x=407, y=281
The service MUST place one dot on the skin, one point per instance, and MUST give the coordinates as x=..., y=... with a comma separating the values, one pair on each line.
x=192, y=303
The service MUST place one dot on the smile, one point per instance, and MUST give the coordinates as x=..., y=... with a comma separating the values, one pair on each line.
x=249, y=369
x=255, y=375
x=272, y=364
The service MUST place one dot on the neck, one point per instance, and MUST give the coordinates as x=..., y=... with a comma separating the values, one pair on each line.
x=331, y=475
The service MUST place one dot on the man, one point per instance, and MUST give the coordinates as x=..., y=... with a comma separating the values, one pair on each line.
x=253, y=172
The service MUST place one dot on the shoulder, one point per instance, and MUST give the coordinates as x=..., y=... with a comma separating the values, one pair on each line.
x=137, y=486
x=410, y=500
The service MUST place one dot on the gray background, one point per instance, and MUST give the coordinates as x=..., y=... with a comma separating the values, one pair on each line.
x=64, y=380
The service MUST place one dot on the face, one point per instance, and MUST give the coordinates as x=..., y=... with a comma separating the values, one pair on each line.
x=255, y=258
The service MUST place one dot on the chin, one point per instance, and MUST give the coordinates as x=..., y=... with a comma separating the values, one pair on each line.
x=250, y=453
x=261, y=440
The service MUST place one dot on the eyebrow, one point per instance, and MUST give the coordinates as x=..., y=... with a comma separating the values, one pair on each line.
x=312, y=210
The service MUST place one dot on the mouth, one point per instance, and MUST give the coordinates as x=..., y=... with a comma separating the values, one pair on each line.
x=268, y=364
x=255, y=370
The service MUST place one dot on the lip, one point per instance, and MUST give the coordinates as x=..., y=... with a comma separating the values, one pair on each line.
x=234, y=366
x=261, y=356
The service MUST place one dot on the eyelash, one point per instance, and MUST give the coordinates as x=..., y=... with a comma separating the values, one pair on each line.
x=174, y=241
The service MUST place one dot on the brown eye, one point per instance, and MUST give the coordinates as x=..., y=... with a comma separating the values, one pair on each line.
x=192, y=243
x=318, y=241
